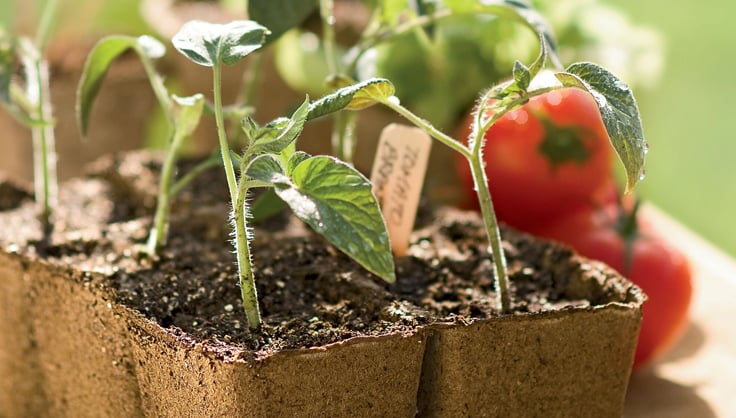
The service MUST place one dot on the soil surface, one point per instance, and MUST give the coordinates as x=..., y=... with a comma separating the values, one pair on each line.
x=310, y=293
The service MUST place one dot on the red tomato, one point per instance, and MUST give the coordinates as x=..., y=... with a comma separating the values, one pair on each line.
x=547, y=158
x=626, y=242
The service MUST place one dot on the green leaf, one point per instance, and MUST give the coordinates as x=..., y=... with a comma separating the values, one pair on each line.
x=336, y=201
x=522, y=76
x=7, y=66
x=98, y=63
x=267, y=168
x=187, y=113
x=286, y=135
x=355, y=97
x=280, y=15
x=210, y=44
x=250, y=127
x=296, y=158
x=619, y=111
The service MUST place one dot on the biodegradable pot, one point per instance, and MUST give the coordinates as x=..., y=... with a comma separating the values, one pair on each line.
x=362, y=376
x=94, y=329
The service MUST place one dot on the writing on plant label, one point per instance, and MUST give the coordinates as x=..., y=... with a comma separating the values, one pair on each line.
x=397, y=177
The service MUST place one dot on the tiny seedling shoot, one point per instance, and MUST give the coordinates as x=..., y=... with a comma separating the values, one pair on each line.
x=31, y=105
x=329, y=195
x=182, y=116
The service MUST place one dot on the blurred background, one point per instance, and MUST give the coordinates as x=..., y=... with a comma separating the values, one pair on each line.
x=676, y=58
x=688, y=116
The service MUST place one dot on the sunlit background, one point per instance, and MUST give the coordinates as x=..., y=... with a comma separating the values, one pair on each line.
x=687, y=104
x=689, y=116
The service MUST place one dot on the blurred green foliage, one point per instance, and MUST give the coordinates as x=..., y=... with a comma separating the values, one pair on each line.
x=76, y=18
x=688, y=116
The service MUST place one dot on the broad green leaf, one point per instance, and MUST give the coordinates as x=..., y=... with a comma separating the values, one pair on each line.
x=336, y=201
x=187, y=112
x=267, y=168
x=286, y=135
x=355, y=97
x=98, y=63
x=280, y=15
x=210, y=44
x=296, y=158
x=619, y=111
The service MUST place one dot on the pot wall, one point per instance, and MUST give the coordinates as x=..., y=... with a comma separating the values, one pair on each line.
x=554, y=364
x=21, y=394
x=360, y=377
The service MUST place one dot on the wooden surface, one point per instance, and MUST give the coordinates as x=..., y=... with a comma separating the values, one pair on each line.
x=697, y=379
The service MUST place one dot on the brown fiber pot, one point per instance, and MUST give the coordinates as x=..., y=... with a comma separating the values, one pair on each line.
x=553, y=364
x=370, y=376
x=69, y=347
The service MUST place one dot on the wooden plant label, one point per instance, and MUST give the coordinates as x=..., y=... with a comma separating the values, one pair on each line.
x=397, y=177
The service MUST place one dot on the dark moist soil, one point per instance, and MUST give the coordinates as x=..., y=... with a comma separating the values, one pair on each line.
x=310, y=293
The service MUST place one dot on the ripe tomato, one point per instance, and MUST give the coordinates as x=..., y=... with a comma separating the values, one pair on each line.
x=547, y=158
x=626, y=242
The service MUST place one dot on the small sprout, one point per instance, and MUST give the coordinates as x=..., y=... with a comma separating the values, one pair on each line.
x=182, y=115
x=31, y=106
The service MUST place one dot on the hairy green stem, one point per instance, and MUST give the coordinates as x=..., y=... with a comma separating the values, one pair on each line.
x=427, y=127
x=232, y=184
x=490, y=221
x=237, y=197
x=248, y=290
x=484, y=196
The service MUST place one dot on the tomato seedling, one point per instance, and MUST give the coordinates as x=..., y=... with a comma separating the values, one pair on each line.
x=329, y=195
x=614, y=99
x=625, y=240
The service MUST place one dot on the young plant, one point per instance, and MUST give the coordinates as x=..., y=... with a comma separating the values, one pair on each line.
x=182, y=115
x=614, y=98
x=329, y=195
x=391, y=20
x=32, y=106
